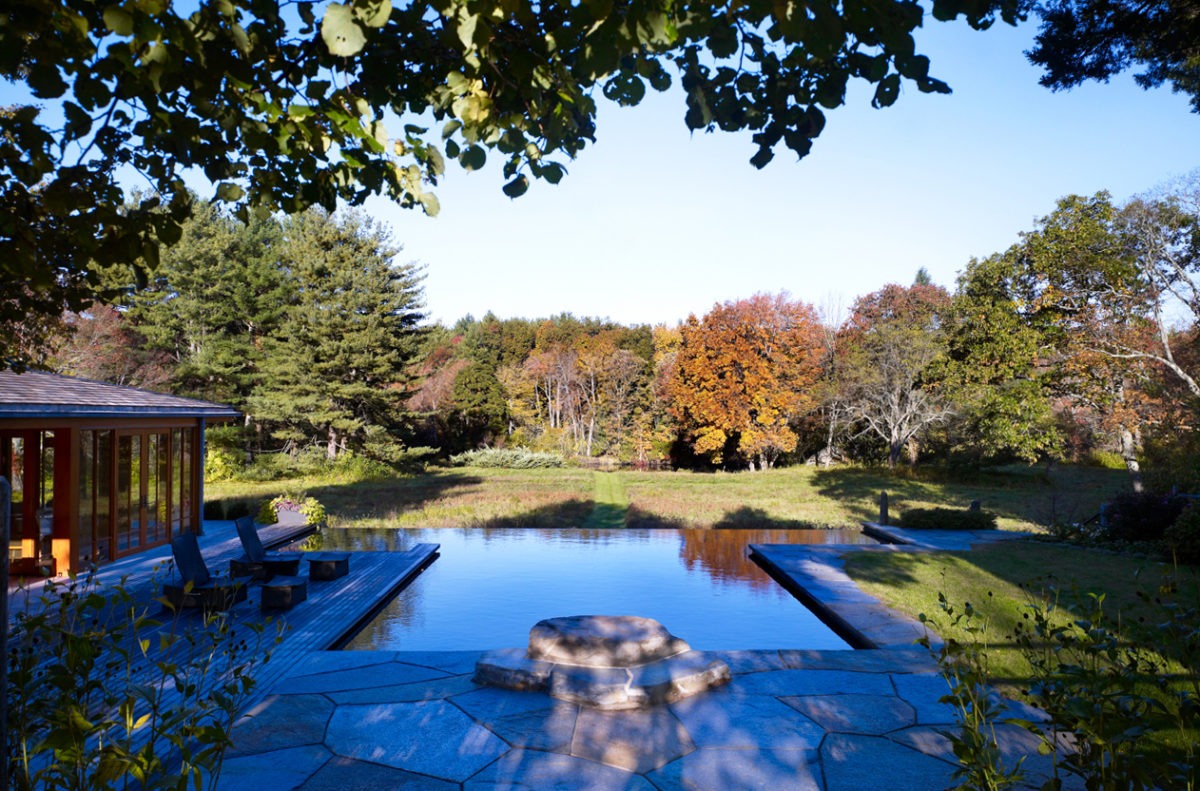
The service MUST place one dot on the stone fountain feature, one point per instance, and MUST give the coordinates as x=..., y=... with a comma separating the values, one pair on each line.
x=604, y=661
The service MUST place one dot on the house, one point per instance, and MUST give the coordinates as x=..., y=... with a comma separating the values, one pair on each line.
x=98, y=471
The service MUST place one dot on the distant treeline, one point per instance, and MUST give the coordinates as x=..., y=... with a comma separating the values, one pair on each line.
x=1069, y=345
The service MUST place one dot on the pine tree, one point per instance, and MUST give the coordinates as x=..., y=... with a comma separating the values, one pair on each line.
x=338, y=368
x=216, y=296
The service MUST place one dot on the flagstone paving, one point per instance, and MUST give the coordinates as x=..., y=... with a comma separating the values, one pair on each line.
x=812, y=720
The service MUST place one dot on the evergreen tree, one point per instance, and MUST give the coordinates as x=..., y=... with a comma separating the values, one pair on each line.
x=217, y=294
x=338, y=368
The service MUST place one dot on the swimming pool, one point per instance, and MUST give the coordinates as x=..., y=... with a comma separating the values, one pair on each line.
x=489, y=586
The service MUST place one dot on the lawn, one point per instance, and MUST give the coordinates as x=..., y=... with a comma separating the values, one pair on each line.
x=1000, y=582
x=1023, y=498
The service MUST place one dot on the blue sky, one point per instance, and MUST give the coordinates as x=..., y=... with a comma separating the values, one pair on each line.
x=653, y=223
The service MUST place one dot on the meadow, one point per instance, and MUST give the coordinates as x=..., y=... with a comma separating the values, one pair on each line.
x=1023, y=498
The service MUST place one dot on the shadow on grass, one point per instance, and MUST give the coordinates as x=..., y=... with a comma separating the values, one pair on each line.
x=354, y=499
x=1028, y=494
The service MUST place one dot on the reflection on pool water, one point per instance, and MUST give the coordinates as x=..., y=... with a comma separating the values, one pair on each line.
x=489, y=586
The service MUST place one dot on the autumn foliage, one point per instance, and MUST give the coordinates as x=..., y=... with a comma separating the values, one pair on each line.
x=742, y=374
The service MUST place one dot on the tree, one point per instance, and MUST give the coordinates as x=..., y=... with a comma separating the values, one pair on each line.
x=215, y=298
x=743, y=374
x=102, y=344
x=1097, y=286
x=893, y=340
x=341, y=360
x=995, y=371
x=1096, y=39
x=282, y=111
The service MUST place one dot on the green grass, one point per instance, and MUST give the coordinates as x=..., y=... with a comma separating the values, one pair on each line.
x=796, y=497
x=444, y=498
x=611, y=504
x=991, y=579
x=1023, y=498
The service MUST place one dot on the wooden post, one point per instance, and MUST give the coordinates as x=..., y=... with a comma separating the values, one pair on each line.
x=883, y=509
x=5, y=513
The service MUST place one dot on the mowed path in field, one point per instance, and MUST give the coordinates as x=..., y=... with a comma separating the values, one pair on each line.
x=610, y=503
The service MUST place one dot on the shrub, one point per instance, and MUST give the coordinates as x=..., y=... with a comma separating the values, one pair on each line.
x=222, y=464
x=947, y=519
x=236, y=509
x=1141, y=517
x=266, y=514
x=510, y=458
x=100, y=696
x=1107, y=459
x=1183, y=537
x=314, y=513
x=1101, y=680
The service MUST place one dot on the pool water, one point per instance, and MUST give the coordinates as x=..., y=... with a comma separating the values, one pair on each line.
x=489, y=586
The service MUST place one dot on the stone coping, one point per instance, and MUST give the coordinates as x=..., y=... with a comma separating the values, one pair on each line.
x=944, y=540
x=812, y=720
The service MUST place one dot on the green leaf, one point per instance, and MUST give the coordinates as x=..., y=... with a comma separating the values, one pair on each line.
x=373, y=13
x=45, y=82
x=516, y=188
x=452, y=149
x=229, y=192
x=429, y=203
x=450, y=128
x=118, y=20
x=473, y=158
x=466, y=30
x=887, y=91
x=341, y=31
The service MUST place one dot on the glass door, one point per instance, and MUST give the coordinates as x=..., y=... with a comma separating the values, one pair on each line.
x=142, y=490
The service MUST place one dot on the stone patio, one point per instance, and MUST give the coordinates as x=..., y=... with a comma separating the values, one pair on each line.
x=832, y=720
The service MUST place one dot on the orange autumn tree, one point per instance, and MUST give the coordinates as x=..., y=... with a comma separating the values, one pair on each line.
x=742, y=374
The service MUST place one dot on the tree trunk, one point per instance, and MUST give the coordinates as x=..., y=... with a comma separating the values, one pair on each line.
x=1129, y=454
x=331, y=449
x=894, y=449
x=914, y=450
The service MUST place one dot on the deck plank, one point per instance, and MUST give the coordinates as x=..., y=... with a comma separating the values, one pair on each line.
x=332, y=613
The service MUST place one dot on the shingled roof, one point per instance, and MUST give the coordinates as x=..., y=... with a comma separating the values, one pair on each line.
x=45, y=395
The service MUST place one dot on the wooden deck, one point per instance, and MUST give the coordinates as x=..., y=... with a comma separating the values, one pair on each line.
x=333, y=613
x=336, y=610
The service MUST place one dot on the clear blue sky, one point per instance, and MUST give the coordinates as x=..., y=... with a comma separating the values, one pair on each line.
x=653, y=223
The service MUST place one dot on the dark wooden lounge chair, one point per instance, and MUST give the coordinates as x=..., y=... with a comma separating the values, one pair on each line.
x=257, y=562
x=198, y=587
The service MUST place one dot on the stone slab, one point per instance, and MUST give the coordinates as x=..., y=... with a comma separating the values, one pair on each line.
x=368, y=677
x=811, y=682
x=433, y=689
x=882, y=660
x=527, y=770
x=866, y=714
x=320, y=662
x=454, y=662
x=511, y=669
x=602, y=641
x=741, y=770
x=427, y=737
x=749, y=661
x=636, y=741
x=853, y=763
x=346, y=774
x=281, y=769
x=491, y=703
x=746, y=722
x=922, y=691
x=280, y=722
x=663, y=681
x=550, y=730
